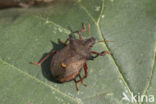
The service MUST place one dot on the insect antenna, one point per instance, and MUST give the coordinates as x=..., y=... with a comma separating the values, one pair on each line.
x=104, y=41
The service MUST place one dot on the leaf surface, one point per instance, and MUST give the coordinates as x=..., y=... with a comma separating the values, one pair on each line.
x=29, y=34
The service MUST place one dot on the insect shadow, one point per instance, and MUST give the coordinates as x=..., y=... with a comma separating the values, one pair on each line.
x=46, y=64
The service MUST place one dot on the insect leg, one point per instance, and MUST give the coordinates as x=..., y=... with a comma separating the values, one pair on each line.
x=64, y=43
x=86, y=73
x=82, y=80
x=83, y=29
x=40, y=62
x=76, y=84
x=102, y=53
x=86, y=70
x=89, y=31
x=80, y=35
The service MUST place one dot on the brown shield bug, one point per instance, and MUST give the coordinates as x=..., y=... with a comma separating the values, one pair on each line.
x=68, y=62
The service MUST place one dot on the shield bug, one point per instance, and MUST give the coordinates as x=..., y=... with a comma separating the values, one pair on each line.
x=68, y=62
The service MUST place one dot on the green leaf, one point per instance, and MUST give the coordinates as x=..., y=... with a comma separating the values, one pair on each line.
x=28, y=34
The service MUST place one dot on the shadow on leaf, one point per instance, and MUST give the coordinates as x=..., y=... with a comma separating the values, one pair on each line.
x=46, y=64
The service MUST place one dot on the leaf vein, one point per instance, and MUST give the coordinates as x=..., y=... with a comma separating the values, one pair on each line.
x=151, y=74
x=82, y=7
x=101, y=12
x=51, y=22
x=106, y=46
x=39, y=81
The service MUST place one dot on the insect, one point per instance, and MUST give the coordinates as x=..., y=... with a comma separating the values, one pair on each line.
x=68, y=62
